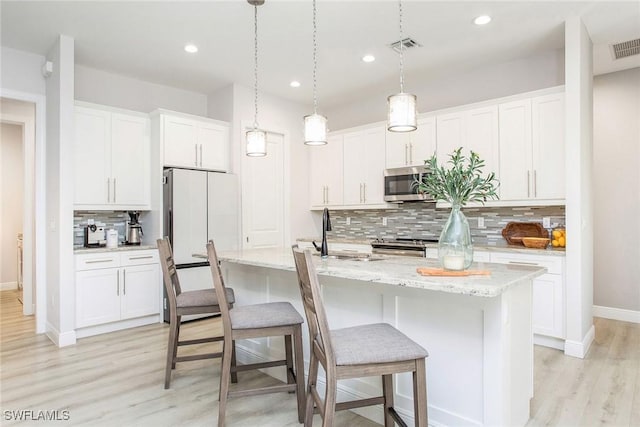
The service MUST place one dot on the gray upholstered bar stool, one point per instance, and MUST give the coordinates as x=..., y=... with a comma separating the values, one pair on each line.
x=258, y=321
x=360, y=351
x=203, y=301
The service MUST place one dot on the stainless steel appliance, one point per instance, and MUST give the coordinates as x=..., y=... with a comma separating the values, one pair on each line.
x=400, y=184
x=134, y=230
x=94, y=236
x=198, y=206
x=402, y=246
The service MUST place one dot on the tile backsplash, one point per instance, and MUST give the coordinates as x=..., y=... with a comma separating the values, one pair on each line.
x=108, y=219
x=421, y=220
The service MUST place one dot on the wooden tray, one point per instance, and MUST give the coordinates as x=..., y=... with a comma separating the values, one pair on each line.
x=515, y=231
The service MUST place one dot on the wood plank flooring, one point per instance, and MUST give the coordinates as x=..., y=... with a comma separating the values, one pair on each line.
x=117, y=379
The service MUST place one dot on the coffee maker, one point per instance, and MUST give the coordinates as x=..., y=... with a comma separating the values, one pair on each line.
x=134, y=229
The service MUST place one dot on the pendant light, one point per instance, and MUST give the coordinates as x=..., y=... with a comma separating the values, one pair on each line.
x=402, y=106
x=256, y=138
x=315, y=125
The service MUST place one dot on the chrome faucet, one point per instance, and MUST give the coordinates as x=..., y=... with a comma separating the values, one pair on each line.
x=326, y=226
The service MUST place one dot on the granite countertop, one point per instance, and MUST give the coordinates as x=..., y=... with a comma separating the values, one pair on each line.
x=392, y=270
x=83, y=250
x=498, y=247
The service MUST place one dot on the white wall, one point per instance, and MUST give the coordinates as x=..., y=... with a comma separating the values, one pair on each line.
x=276, y=113
x=616, y=153
x=101, y=87
x=21, y=71
x=11, y=192
x=435, y=92
x=60, y=132
x=220, y=104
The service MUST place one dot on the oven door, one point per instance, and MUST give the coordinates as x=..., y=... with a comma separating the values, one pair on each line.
x=400, y=184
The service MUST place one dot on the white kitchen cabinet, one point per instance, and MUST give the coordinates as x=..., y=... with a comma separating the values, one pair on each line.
x=326, y=169
x=112, y=287
x=411, y=148
x=364, y=164
x=194, y=142
x=532, y=148
x=476, y=130
x=111, y=159
x=548, y=292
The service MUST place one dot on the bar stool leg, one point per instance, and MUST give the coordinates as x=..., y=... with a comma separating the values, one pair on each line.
x=299, y=359
x=311, y=387
x=387, y=392
x=288, y=351
x=225, y=375
x=175, y=343
x=330, y=398
x=420, y=393
x=171, y=351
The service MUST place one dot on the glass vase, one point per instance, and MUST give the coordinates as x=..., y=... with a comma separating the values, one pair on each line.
x=455, y=250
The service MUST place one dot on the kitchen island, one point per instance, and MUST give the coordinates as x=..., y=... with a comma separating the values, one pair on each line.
x=477, y=329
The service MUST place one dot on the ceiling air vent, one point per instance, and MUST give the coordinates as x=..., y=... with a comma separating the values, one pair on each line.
x=406, y=44
x=624, y=49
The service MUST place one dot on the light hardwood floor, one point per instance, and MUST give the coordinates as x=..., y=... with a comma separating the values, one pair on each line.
x=117, y=379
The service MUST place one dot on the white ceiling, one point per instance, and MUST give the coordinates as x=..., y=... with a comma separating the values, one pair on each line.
x=145, y=39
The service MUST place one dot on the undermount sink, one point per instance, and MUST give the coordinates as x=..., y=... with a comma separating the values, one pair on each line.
x=353, y=257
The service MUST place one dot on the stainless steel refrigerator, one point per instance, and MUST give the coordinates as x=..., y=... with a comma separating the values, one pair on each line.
x=198, y=206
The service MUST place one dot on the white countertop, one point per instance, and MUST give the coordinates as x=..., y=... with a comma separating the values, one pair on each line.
x=83, y=250
x=394, y=270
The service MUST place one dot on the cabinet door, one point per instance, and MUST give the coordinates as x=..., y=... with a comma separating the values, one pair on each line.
x=481, y=126
x=140, y=295
x=422, y=142
x=130, y=160
x=397, y=149
x=372, y=157
x=515, y=149
x=326, y=180
x=91, y=157
x=354, y=167
x=451, y=135
x=213, y=140
x=547, y=130
x=547, y=312
x=97, y=297
x=180, y=142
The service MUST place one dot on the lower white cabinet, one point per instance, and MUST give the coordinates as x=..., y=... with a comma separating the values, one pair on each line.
x=116, y=286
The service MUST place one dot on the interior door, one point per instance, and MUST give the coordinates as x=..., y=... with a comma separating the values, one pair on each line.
x=189, y=214
x=263, y=196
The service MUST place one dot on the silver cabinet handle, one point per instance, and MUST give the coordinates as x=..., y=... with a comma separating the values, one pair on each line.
x=406, y=146
x=124, y=282
x=200, y=155
x=535, y=184
x=108, y=190
x=364, y=192
x=327, y=190
x=114, y=190
x=118, y=285
x=524, y=263
x=528, y=183
x=360, y=192
x=196, y=148
x=94, y=261
x=411, y=153
x=141, y=257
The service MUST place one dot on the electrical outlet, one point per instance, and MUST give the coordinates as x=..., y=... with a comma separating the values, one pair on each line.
x=481, y=222
x=90, y=221
x=384, y=221
x=546, y=222
x=348, y=220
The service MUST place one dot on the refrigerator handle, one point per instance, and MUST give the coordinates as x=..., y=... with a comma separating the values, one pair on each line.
x=170, y=226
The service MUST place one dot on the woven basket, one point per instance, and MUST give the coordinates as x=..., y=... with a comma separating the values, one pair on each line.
x=515, y=231
x=535, y=242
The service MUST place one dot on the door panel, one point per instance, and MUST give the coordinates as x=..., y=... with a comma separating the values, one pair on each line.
x=548, y=146
x=180, y=147
x=129, y=145
x=222, y=211
x=92, y=153
x=140, y=291
x=212, y=141
x=189, y=214
x=97, y=297
x=515, y=146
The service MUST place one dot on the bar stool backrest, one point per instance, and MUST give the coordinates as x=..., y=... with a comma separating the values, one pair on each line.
x=169, y=272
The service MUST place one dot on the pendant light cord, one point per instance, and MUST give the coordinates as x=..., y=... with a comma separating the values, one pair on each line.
x=315, y=62
x=401, y=51
x=255, y=69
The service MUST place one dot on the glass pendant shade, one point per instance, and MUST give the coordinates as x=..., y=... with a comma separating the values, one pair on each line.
x=315, y=129
x=256, y=143
x=402, y=113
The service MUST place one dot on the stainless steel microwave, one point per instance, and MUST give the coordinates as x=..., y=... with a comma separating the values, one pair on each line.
x=400, y=184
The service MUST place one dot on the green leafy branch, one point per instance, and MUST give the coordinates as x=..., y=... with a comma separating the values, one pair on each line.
x=461, y=183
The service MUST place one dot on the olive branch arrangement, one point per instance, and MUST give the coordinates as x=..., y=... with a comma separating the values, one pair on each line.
x=461, y=183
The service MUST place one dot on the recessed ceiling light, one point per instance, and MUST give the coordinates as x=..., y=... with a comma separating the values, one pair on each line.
x=482, y=20
x=368, y=58
x=191, y=48
x=294, y=83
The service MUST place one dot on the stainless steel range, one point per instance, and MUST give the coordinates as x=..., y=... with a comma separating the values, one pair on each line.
x=402, y=246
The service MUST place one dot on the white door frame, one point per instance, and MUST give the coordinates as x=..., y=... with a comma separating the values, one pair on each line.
x=286, y=187
x=34, y=214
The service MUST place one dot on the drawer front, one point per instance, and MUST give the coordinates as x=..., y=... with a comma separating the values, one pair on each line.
x=553, y=264
x=139, y=257
x=97, y=261
x=481, y=256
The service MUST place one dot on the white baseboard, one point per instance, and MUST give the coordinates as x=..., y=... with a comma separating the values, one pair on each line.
x=61, y=339
x=551, y=342
x=8, y=286
x=117, y=326
x=577, y=348
x=616, y=314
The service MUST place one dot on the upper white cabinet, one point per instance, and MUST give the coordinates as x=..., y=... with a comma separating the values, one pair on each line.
x=111, y=159
x=326, y=162
x=475, y=130
x=194, y=142
x=532, y=160
x=364, y=163
x=411, y=148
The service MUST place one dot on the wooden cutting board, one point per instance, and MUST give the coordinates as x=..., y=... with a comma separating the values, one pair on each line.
x=423, y=271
